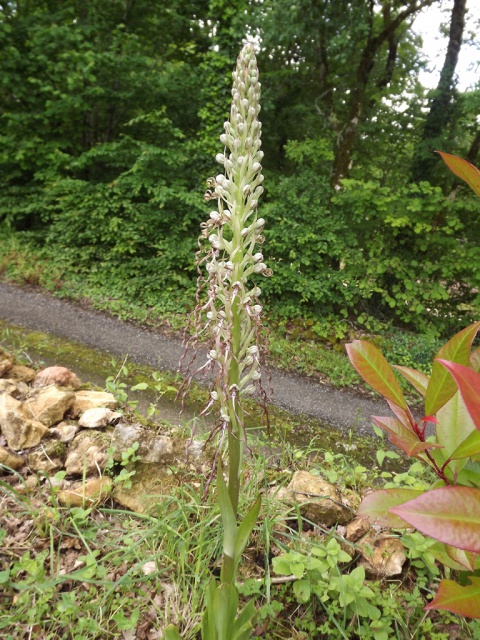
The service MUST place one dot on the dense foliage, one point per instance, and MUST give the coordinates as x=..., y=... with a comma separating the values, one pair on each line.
x=108, y=118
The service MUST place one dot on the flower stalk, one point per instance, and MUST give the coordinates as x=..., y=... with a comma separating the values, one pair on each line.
x=229, y=312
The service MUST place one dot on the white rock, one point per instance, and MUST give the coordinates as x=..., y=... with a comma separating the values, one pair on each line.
x=85, y=400
x=98, y=417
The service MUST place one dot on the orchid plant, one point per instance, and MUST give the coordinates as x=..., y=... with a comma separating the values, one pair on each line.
x=228, y=312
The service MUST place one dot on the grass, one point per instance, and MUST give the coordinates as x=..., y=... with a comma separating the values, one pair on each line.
x=96, y=573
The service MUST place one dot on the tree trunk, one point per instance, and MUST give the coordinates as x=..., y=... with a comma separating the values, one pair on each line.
x=348, y=133
x=441, y=108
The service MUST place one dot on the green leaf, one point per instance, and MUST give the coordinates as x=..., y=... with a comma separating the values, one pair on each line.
x=227, y=514
x=448, y=514
x=375, y=506
x=469, y=447
x=418, y=379
x=441, y=386
x=464, y=601
x=302, y=590
x=463, y=169
x=141, y=386
x=469, y=386
x=245, y=529
x=4, y=576
x=281, y=565
x=171, y=633
x=225, y=607
x=439, y=551
x=454, y=426
x=242, y=628
x=375, y=370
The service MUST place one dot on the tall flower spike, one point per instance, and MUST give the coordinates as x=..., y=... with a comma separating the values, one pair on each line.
x=226, y=302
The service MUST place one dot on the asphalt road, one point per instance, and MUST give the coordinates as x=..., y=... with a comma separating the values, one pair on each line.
x=43, y=312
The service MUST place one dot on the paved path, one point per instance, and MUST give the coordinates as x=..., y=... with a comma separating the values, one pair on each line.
x=299, y=395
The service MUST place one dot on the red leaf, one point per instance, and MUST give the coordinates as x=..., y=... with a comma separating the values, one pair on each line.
x=464, y=601
x=375, y=507
x=464, y=558
x=469, y=386
x=441, y=386
x=448, y=514
x=404, y=415
x=375, y=370
x=463, y=170
x=402, y=437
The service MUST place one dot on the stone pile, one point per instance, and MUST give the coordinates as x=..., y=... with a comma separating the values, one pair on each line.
x=49, y=423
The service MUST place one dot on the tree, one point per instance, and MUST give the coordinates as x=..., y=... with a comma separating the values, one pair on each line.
x=331, y=65
x=439, y=119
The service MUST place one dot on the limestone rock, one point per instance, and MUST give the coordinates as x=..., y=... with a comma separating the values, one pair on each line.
x=89, y=451
x=48, y=405
x=356, y=529
x=6, y=362
x=59, y=376
x=21, y=432
x=11, y=460
x=149, y=486
x=152, y=448
x=319, y=500
x=85, y=400
x=65, y=431
x=98, y=417
x=48, y=457
x=383, y=556
x=8, y=403
x=92, y=492
x=21, y=373
x=9, y=387
x=279, y=493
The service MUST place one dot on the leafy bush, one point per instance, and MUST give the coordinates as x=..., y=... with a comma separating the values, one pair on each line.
x=450, y=510
x=405, y=254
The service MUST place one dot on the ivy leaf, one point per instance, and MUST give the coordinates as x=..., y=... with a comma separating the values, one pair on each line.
x=448, y=514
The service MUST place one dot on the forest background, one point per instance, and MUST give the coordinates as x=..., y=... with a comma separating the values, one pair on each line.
x=110, y=114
